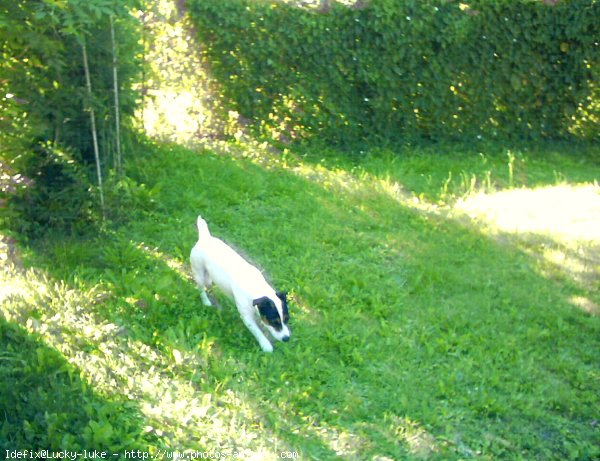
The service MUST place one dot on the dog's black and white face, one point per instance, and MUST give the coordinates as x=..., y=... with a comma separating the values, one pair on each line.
x=274, y=315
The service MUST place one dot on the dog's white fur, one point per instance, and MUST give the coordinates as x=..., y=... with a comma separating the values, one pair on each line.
x=213, y=261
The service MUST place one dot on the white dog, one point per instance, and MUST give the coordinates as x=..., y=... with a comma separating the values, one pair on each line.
x=213, y=261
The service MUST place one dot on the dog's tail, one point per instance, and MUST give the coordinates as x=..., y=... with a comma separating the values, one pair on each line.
x=202, y=228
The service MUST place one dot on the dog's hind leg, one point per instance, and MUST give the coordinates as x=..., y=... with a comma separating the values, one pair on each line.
x=205, y=299
x=203, y=282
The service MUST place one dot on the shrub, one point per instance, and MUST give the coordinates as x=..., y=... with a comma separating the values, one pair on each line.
x=59, y=195
x=403, y=68
x=45, y=129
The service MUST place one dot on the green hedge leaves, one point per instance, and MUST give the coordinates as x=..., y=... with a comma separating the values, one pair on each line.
x=406, y=68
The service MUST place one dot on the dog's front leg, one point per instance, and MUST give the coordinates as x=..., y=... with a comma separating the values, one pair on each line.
x=250, y=323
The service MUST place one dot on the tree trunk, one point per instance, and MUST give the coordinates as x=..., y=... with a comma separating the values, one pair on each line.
x=119, y=159
x=93, y=122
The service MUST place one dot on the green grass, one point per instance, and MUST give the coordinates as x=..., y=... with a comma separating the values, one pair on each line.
x=414, y=334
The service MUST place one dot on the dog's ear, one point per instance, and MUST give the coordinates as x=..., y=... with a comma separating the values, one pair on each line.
x=258, y=301
x=268, y=312
x=282, y=295
x=263, y=304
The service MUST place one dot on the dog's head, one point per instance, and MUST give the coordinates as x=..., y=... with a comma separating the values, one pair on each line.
x=274, y=315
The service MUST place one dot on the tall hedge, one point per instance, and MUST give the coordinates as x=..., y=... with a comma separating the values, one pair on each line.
x=406, y=68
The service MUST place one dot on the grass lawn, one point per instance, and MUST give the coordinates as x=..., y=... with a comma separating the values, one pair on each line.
x=421, y=327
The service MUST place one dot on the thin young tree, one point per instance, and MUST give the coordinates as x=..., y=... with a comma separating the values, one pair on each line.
x=119, y=159
x=93, y=123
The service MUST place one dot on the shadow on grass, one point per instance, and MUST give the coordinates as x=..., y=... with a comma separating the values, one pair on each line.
x=413, y=336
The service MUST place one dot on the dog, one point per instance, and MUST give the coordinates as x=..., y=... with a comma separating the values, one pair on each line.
x=215, y=262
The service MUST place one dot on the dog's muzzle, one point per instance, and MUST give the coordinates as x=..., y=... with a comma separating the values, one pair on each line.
x=285, y=339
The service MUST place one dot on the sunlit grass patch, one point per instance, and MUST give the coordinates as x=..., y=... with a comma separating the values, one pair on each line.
x=558, y=224
x=564, y=212
x=65, y=387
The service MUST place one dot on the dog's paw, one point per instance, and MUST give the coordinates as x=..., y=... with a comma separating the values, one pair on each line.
x=205, y=299
x=266, y=346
